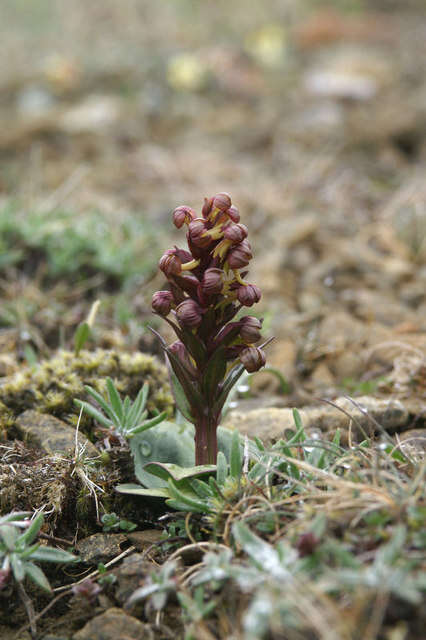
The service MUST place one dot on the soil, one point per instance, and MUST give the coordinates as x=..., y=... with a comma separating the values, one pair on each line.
x=313, y=118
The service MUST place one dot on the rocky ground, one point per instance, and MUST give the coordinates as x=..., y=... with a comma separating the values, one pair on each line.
x=312, y=117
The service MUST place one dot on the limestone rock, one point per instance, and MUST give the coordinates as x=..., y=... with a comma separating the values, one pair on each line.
x=112, y=625
x=100, y=547
x=272, y=423
x=50, y=433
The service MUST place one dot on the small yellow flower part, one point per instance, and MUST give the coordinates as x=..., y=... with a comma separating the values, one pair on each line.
x=192, y=264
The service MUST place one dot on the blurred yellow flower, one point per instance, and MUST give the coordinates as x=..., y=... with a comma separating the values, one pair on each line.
x=267, y=45
x=186, y=72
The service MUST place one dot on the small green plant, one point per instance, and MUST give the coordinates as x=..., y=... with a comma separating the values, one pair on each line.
x=19, y=552
x=206, y=291
x=121, y=418
x=113, y=522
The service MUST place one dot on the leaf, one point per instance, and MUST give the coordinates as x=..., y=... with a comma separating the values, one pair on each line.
x=214, y=373
x=168, y=471
x=262, y=554
x=81, y=336
x=186, y=498
x=31, y=533
x=235, y=461
x=115, y=400
x=9, y=535
x=190, y=387
x=222, y=468
x=17, y=567
x=231, y=379
x=179, y=396
x=94, y=413
x=37, y=576
x=139, y=404
x=49, y=554
x=194, y=346
x=104, y=404
x=146, y=425
x=137, y=490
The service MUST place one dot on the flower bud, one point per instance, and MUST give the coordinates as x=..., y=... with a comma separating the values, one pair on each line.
x=170, y=264
x=183, y=215
x=248, y=294
x=240, y=255
x=213, y=281
x=207, y=207
x=250, y=329
x=4, y=578
x=222, y=201
x=233, y=214
x=196, y=231
x=253, y=359
x=162, y=302
x=87, y=589
x=180, y=351
x=236, y=233
x=189, y=313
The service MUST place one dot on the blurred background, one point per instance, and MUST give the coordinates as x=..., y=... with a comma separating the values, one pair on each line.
x=311, y=114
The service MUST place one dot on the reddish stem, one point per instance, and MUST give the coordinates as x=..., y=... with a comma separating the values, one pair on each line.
x=206, y=439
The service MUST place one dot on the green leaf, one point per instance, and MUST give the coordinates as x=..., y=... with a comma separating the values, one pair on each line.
x=194, y=346
x=48, y=554
x=94, y=413
x=222, y=468
x=146, y=425
x=139, y=404
x=235, y=462
x=17, y=567
x=214, y=373
x=190, y=389
x=31, y=533
x=168, y=471
x=36, y=575
x=137, y=490
x=231, y=379
x=187, y=498
x=202, y=489
x=9, y=535
x=104, y=404
x=81, y=336
x=180, y=397
x=115, y=400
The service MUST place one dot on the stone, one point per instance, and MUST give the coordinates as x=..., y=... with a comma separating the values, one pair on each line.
x=271, y=423
x=144, y=539
x=51, y=434
x=114, y=624
x=100, y=547
x=131, y=575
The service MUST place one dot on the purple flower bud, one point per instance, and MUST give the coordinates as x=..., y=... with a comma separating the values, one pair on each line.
x=236, y=233
x=162, y=302
x=170, y=264
x=250, y=329
x=240, y=255
x=307, y=543
x=196, y=229
x=189, y=313
x=87, y=589
x=233, y=214
x=253, y=359
x=4, y=578
x=207, y=207
x=183, y=215
x=180, y=351
x=248, y=294
x=222, y=201
x=213, y=281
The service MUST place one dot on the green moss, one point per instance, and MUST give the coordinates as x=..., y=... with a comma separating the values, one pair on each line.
x=52, y=386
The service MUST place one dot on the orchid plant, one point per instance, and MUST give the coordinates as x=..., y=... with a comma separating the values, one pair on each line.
x=206, y=291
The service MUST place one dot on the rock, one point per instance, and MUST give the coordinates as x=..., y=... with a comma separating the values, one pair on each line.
x=50, y=433
x=100, y=547
x=93, y=114
x=144, y=539
x=131, y=575
x=114, y=624
x=322, y=376
x=272, y=423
